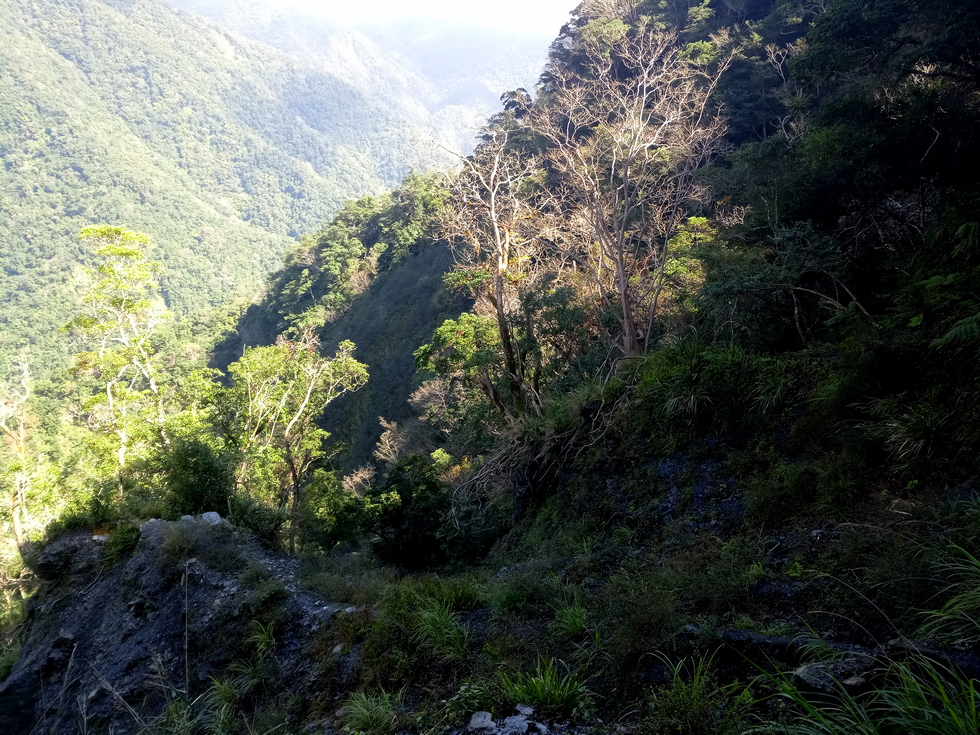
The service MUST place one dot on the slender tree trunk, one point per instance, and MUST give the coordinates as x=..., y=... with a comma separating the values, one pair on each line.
x=630, y=344
x=121, y=459
x=514, y=378
x=295, y=480
x=16, y=504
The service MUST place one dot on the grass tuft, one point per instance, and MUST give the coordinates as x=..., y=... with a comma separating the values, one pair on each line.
x=439, y=629
x=553, y=687
x=373, y=714
x=918, y=696
x=959, y=619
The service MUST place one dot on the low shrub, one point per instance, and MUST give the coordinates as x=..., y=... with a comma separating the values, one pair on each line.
x=262, y=520
x=8, y=657
x=179, y=542
x=345, y=577
x=522, y=591
x=121, y=543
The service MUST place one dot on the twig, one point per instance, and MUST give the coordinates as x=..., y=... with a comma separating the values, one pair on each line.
x=117, y=696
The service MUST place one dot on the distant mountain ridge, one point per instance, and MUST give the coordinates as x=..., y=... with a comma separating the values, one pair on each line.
x=450, y=75
x=222, y=148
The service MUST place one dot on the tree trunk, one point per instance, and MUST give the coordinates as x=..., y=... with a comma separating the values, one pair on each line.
x=16, y=504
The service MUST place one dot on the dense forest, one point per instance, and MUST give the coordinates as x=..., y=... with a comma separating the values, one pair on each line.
x=222, y=148
x=657, y=414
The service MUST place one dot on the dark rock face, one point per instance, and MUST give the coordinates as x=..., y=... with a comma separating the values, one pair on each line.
x=102, y=641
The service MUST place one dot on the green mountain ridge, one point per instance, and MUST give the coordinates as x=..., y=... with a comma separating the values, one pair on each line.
x=447, y=74
x=220, y=148
x=680, y=386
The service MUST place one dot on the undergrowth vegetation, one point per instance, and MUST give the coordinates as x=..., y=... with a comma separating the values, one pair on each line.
x=695, y=450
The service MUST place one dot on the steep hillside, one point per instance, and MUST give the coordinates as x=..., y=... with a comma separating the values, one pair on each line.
x=374, y=275
x=220, y=148
x=692, y=443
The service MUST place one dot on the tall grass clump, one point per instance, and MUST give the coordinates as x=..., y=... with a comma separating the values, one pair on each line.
x=570, y=619
x=918, y=696
x=552, y=686
x=438, y=628
x=694, y=703
x=959, y=619
x=373, y=714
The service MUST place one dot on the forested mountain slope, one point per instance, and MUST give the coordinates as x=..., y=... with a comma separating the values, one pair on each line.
x=693, y=443
x=220, y=148
x=449, y=76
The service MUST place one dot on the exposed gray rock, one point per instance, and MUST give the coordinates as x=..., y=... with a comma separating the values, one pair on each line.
x=829, y=676
x=99, y=637
x=481, y=721
x=71, y=555
x=211, y=518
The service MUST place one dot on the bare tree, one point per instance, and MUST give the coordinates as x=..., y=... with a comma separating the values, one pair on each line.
x=490, y=227
x=391, y=443
x=627, y=131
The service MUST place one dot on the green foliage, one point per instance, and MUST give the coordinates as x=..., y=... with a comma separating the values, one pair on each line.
x=198, y=478
x=644, y=610
x=439, y=628
x=603, y=33
x=265, y=605
x=966, y=330
x=378, y=714
x=8, y=658
x=571, y=621
x=409, y=529
x=793, y=489
x=911, y=431
x=348, y=576
x=180, y=542
x=121, y=543
x=473, y=695
x=552, y=686
x=801, y=391
x=222, y=149
x=522, y=591
x=262, y=639
x=470, y=344
x=694, y=703
x=959, y=619
x=262, y=519
x=914, y=696
x=271, y=410
x=122, y=310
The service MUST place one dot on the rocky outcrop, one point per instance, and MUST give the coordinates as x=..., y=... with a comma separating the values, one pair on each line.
x=521, y=723
x=106, y=647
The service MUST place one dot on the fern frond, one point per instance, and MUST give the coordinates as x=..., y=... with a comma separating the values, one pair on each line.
x=965, y=330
